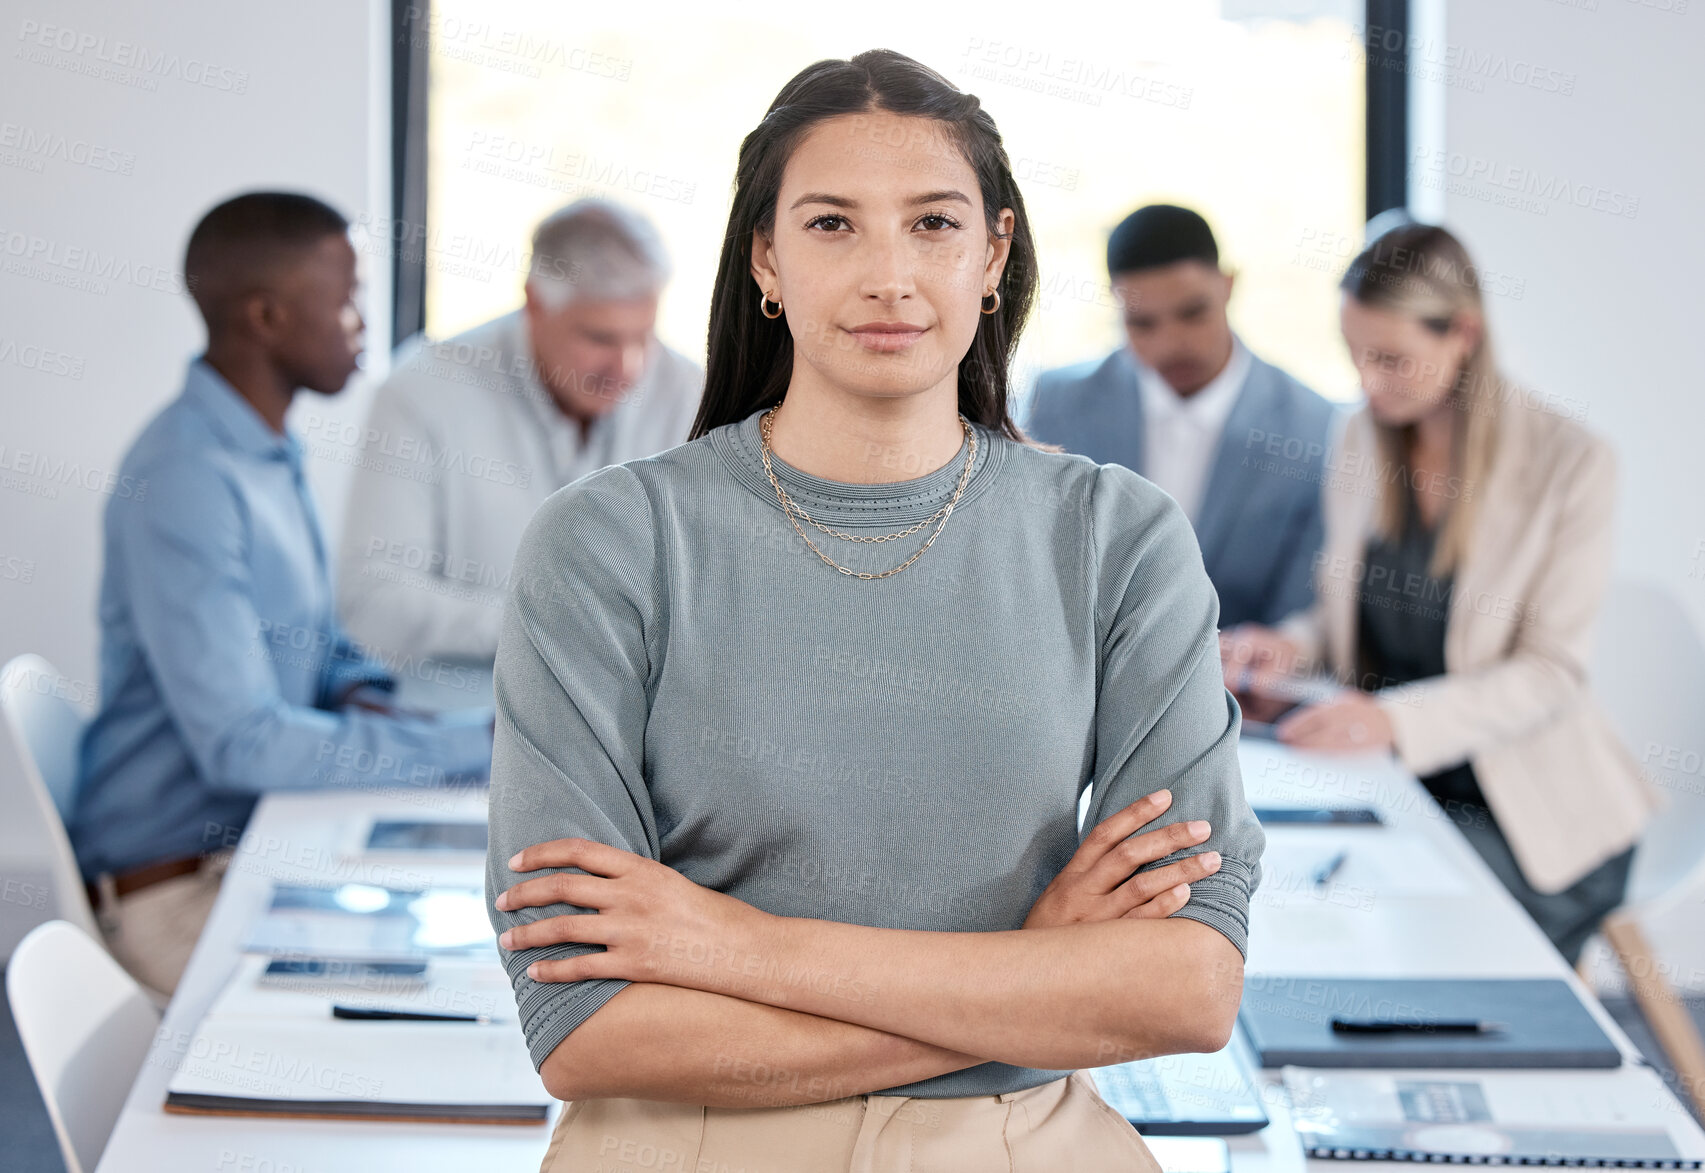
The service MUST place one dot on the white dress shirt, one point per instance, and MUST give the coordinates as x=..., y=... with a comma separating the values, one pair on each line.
x=462, y=444
x=1181, y=435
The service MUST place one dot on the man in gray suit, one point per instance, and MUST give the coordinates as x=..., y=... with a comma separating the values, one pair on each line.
x=1237, y=442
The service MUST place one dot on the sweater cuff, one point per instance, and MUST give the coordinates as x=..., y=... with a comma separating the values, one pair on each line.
x=549, y=1011
x=1221, y=901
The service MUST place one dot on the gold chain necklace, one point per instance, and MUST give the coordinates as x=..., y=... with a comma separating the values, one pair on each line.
x=789, y=507
x=764, y=427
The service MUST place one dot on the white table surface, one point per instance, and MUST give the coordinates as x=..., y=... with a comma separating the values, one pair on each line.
x=1478, y=930
x=299, y=839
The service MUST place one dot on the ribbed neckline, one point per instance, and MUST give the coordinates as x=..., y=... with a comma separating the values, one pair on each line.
x=895, y=503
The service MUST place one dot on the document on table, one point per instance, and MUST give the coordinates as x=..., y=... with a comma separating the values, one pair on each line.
x=1590, y=1118
x=464, y=986
x=1376, y=862
x=267, y=1050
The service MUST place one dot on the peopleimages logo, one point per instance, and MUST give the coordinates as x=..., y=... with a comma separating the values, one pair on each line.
x=1074, y=78
x=47, y=144
x=40, y=358
x=1465, y=64
x=1459, y=169
x=42, y=474
x=412, y=457
x=513, y=50
x=1331, y=250
x=540, y=164
x=128, y=55
x=25, y=255
x=417, y=242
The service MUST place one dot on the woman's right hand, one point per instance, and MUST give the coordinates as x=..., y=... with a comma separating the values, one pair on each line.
x=1097, y=882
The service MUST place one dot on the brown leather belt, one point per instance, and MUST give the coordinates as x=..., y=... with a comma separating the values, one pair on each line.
x=136, y=879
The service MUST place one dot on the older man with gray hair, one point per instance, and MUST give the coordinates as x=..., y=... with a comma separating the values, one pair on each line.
x=469, y=435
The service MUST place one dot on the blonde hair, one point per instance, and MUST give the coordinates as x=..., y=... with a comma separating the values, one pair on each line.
x=1422, y=271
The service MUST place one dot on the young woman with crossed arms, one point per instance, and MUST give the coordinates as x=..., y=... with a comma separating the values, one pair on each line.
x=810, y=739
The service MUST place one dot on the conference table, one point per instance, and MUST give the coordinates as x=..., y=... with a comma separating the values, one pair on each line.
x=1375, y=919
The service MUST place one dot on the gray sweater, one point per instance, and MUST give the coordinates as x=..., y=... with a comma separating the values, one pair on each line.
x=680, y=677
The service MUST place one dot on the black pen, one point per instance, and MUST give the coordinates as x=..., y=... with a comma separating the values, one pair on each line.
x=1324, y=873
x=366, y=1015
x=1391, y=1026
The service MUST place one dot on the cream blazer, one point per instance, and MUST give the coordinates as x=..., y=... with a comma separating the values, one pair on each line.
x=1514, y=700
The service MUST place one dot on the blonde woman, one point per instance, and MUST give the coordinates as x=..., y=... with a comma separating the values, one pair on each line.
x=802, y=710
x=1467, y=546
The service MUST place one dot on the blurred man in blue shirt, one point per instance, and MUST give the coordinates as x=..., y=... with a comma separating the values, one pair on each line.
x=224, y=674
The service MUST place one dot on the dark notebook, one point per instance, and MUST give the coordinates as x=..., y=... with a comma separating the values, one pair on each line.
x=1537, y=1023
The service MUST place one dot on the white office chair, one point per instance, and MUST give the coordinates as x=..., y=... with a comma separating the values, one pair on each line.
x=1649, y=673
x=46, y=731
x=86, y=1026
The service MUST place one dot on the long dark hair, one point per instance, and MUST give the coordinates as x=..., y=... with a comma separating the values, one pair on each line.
x=749, y=359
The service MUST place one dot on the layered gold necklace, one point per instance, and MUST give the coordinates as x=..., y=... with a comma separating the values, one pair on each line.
x=791, y=507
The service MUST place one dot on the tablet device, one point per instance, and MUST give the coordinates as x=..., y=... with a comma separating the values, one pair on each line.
x=427, y=835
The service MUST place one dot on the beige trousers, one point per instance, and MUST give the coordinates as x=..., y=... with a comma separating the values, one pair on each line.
x=152, y=933
x=1063, y=1126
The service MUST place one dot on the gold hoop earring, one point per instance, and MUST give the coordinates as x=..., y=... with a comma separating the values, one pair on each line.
x=764, y=304
x=990, y=309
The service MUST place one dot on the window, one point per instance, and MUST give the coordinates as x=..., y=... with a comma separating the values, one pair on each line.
x=1250, y=111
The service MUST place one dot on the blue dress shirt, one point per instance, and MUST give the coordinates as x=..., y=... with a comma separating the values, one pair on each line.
x=222, y=662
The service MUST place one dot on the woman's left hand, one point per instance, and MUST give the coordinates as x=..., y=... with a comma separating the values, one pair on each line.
x=1352, y=722
x=654, y=923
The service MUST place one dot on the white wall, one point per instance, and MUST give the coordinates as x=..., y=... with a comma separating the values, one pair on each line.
x=115, y=137
x=1610, y=295
x=1571, y=166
